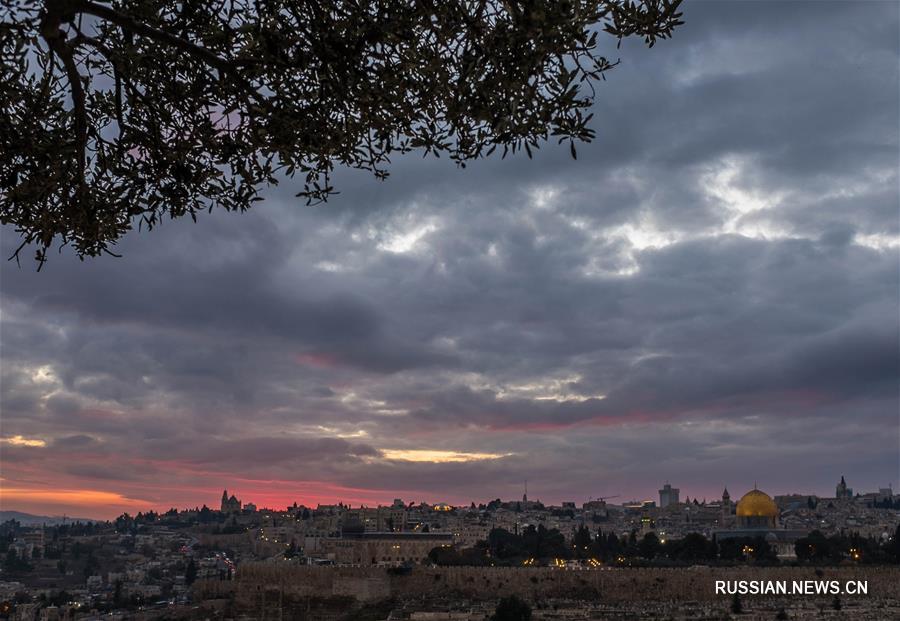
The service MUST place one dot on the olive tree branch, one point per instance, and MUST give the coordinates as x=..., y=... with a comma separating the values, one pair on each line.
x=160, y=36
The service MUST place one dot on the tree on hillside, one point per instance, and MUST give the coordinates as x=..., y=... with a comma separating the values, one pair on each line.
x=893, y=546
x=542, y=542
x=649, y=546
x=190, y=572
x=815, y=547
x=512, y=608
x=581, y=542
x=692, y=548
x=116, y=113
x=736, y=606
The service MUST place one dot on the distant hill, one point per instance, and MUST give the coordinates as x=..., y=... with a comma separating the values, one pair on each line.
x=27, y=519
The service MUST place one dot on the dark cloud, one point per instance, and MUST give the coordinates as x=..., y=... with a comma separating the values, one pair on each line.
x=713, y=283
x=245, y=452
x=75, y=441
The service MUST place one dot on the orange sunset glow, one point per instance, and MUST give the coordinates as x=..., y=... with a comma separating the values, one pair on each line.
x=83, y=502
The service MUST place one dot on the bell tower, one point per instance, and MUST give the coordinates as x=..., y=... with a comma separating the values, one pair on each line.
x=727, y=508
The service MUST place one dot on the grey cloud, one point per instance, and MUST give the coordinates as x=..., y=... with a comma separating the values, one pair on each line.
x=251, y=342
x=249, y=450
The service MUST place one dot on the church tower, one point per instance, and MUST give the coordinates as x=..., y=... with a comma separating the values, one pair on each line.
x=230, y=504
x=726, y=508
x=842, y=491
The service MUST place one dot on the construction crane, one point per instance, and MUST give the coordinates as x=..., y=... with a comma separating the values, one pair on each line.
x=602, y=498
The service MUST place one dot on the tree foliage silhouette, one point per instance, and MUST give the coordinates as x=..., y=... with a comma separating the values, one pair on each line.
x=114, y=114
x=736, y=606
x=512, y=608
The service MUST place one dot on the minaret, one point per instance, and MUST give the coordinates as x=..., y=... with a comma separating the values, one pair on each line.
x=224, y=500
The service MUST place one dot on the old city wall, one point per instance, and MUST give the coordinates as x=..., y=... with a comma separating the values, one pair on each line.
x=616, y=585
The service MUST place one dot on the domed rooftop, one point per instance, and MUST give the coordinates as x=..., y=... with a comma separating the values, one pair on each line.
x=756, y=504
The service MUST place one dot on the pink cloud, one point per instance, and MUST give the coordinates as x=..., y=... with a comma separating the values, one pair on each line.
x=319, y=360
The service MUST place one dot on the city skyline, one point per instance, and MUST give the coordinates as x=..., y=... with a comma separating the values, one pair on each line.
x=708, y=294
x=282, y=501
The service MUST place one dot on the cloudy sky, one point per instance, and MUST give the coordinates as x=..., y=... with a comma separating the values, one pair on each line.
x=708, y=295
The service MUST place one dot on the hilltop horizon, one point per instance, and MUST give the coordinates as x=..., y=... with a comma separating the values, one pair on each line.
x=276, y=503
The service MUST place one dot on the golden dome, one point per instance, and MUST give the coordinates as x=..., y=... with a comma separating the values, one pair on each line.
x=756, y=504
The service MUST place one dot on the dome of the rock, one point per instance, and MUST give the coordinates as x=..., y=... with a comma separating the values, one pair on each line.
x=756, y=504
